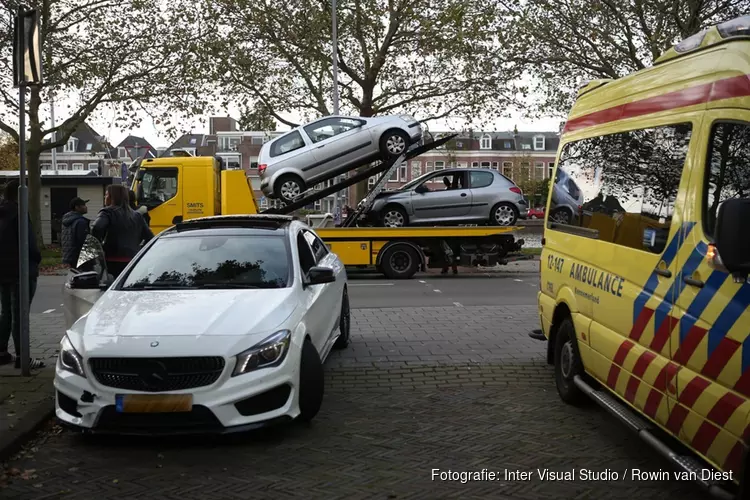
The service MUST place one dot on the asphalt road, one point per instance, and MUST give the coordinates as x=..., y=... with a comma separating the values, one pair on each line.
x=371, y=290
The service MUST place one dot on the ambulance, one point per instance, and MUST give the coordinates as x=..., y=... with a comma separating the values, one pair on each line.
x=644, y=296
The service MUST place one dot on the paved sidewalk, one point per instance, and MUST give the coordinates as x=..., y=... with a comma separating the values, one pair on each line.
x=26, y=402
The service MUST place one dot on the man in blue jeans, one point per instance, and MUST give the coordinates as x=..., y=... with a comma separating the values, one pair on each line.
x=10, y=297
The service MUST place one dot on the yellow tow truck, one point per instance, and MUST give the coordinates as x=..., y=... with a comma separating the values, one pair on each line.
x=179, y=188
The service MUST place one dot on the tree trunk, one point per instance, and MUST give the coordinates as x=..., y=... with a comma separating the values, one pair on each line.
x=33, y=149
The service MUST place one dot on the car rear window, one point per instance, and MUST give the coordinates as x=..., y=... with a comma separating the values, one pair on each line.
x=287, y=143
x=213, y=261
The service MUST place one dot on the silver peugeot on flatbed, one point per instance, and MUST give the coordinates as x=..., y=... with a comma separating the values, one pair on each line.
x=333, y=145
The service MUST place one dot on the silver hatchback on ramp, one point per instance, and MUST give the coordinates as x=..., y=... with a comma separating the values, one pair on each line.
x=321, y=150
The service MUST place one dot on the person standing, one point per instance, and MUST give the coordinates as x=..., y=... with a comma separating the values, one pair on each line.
x=120, y=229
x=75, y=228
x=10, y=293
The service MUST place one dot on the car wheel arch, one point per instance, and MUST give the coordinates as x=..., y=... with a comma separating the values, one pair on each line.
x=562, y=311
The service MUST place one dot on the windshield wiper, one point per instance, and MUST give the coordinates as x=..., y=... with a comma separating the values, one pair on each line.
x=219, y=285
x=158, y=285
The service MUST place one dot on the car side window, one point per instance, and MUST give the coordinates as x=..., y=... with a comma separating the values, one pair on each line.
x=316, y=244
x=287, y=143
x=727, y=171
x=621, y=188
x=481, y=179
x=325, y=129
x=306, y=258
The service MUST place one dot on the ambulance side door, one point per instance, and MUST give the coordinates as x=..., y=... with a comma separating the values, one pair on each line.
x=713, y=312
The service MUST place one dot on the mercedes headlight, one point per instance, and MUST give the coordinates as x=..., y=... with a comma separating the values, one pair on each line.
x=270, y=352
x=69, y=359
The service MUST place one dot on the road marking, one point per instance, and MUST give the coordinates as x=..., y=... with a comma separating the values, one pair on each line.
x=48, y=311
x=518, y=280
x=421, y=281
x=437, y=291
x=370, y=284
x=458, y=304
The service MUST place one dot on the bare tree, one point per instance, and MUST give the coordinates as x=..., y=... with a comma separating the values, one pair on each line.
x=430, y=58
x=129, y=55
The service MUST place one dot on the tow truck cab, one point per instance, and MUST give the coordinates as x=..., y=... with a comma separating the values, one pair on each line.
x=179, y=188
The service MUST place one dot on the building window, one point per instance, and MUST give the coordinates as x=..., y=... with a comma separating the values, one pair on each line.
x=486, y=142
x=45, y=166
x=728, y=172
x=93, y=166
x=78, y=166
x=485, y=164
x=416, y=169
x=256, y=140
x=539, y=142
x=539, y=170
x=193, y=140
x=459, y=144
x=62, y=166
x=228, y=143
x=508, y=145
x=394, y=176
x=475, y=164
x=428, y=167
x=89, y=146
x=550, y=169
x=122, y=153
x=526, y=170
x=494, y=165
x=371, y=182
x=628, y=179
x=525, y=146
x=439, y=165
x=508, y=169
x=70, y=147
x=461, y=164
x=316, y=206
x=402, y=172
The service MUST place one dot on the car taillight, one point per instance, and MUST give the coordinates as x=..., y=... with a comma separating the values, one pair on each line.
x=516, y=190
x=261, y=169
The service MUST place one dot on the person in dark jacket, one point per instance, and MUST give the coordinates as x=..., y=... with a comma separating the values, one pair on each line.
x=141, y=210
x=121, y=230
x=75, y=227
x=10, y=296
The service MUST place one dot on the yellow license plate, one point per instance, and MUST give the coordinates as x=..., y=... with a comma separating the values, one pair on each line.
x=153, y=403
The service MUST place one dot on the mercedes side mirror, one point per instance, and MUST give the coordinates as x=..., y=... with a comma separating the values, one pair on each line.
x=319, y=275
x=85, y=281
x=731, y=238
x=420, y=189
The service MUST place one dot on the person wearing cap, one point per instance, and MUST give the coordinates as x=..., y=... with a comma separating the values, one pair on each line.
x=75, y=228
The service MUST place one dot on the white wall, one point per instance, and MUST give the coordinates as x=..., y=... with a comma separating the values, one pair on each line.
x=95, y=195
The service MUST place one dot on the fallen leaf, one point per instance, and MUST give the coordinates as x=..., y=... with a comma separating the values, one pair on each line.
x=38, y=485
x=115, y=481
x=73, y=469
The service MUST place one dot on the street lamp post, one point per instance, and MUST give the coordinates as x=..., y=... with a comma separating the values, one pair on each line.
x=334, y=60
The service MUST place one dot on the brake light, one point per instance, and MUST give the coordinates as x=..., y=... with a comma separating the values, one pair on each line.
x=262, y=168
x=516, y=190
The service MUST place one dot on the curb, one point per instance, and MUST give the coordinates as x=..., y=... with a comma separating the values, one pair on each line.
x=12, y=440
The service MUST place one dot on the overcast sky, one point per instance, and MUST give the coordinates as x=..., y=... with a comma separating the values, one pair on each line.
x=157, y=136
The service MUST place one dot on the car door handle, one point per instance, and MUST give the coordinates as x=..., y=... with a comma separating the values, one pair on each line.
x=321, y=146
x=463, y=194
x=663, y=272
x=693, y=282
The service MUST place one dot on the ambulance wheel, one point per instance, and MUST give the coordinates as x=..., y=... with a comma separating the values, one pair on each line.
x=568, y=364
